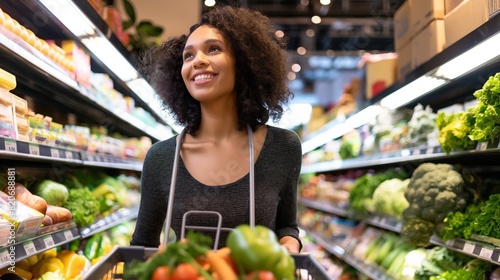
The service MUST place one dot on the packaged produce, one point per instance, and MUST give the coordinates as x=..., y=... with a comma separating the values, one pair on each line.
x=7, y=121
x=26, y=220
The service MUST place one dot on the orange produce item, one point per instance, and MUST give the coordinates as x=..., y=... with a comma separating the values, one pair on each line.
x=58, y=214
x=73, y=263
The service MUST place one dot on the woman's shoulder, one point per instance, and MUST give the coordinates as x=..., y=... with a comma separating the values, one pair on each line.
x=283, y=135
x=283, y=139
x=162, y=148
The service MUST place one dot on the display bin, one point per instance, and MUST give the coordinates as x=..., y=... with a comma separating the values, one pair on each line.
x=307, y=267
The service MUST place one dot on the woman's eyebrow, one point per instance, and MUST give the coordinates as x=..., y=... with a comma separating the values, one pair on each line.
x=209, y=41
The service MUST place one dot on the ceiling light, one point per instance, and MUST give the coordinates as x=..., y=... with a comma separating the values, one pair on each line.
x=291, y=76
x=363, y=117
x=325, y=137
x=108, y=55
x=279, y=33
x=310, y=32
x=301, y=50
x=411, y=91
x=209, y=3
x=471, y=59
x=316, y=19
x=304, y=2
x=70, y=16
x=296, y=68
x=325, y=2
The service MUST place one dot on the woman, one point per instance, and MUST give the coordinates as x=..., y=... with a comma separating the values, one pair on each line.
x=227, y=74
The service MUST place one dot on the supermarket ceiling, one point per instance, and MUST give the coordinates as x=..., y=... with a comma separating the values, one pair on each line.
x=346, y=25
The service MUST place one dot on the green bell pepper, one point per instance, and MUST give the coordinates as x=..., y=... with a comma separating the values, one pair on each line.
x=258, y=249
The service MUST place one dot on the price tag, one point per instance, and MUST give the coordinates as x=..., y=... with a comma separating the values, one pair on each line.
x=10, y=146
x=91, y=157
x=69, y=155
x=482, y=146
x=416, y=152
x=469, y=248
x=54, y=153
x=486, y=253
x=49, y=241
x=29, y=248
x=4, y=256
x=430, y=150
x=34, y=150
x=68, y=235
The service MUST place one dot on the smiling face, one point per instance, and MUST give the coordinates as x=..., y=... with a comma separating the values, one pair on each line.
x=208, y=68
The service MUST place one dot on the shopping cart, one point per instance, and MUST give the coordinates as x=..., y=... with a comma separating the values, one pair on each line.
x=111, y=267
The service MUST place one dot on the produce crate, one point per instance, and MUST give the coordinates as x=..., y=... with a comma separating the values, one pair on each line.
x=107, y=268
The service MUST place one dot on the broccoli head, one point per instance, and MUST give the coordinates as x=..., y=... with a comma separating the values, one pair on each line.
x=434, y=191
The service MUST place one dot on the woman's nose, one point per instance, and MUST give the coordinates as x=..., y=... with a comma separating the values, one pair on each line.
x=200, y=60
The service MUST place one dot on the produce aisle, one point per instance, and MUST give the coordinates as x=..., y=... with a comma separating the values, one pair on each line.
x=74, y=131
x=413, y=192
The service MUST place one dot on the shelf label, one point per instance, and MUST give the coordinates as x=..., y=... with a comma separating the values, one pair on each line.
x=68, y=235
x=430, y=150
x=49, y=241
x=482, y=146
x=69, y=155
x=469, y=248
x=29, y=248
x=416, y=152
x=34, y=150
x=54, y=153
x=486, y=253
x=11, y=146
x=4, y=256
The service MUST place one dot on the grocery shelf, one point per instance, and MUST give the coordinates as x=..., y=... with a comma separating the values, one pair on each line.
x=411, y=157
x=325, y=207
x=47, y=238
x=388, y=223
x=52, y=236
x=371, y=271
x=475, y=249
x=25, y=151
x=363, y=267
x=114, y=219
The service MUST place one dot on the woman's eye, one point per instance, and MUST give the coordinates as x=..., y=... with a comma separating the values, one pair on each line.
x=187, y=56
x=215, y=49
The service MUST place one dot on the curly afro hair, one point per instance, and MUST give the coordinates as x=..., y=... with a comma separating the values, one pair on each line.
x=261, y=69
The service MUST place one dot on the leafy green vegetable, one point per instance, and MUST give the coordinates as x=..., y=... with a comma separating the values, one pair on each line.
x=54, y=193
x=454, y=131
x=389, y=197
x=474, y=270
x=83, y=206
x=350, y=146
x=480, y=219
x=487, y=111
x=365, y=185
x=439, y=260
x=195, y=245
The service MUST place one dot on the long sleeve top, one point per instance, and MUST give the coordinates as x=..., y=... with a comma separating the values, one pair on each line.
x=276, y=177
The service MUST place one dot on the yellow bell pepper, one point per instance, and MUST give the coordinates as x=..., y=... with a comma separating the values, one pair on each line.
x=73, y=263
x=24, y=264
x=18, y=271
x=45, y=265
x=51, y=253
x=32, y=260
